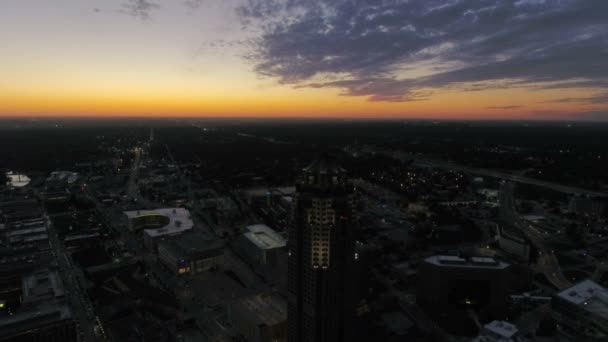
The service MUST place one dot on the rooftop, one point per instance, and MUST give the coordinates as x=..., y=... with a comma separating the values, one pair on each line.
x=42, y=285
x=589, y=296
x=324, y=165
x=194, y=244
x=473, y=262
x=38, y=316
x=503, y=329
x=264, y=237
x=180, y=220
x=287, y=190
x=268, y=310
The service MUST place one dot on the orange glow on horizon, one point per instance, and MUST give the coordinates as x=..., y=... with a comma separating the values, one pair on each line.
x=278, y=102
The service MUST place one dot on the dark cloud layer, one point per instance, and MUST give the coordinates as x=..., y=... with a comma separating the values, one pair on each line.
x=366, y=46
x=600, y=98
x=505, y=107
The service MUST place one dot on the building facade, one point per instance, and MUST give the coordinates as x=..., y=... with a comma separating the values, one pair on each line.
x=191, y=253
x=321, y=256
x=466, y=283
x=582, y=310
x=263, y=249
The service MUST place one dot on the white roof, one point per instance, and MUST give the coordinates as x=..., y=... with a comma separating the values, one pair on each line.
x=474, y=262
x=501, y=328
x=264, y=237
x=179, y=220
x=589, y=296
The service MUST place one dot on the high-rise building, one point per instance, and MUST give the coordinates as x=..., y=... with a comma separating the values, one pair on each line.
x=321, y=254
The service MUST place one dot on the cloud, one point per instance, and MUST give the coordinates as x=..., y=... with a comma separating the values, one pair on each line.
x=139, y=8
x=376, y=48
x=599, y=98
x=505, y=107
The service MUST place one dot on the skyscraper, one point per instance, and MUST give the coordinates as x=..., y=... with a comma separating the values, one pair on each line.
x=321, y=251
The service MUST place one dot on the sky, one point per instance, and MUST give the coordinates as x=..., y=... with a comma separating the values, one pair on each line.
x=449, y=59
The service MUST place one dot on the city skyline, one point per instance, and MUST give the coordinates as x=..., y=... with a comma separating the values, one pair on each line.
x=522, y=60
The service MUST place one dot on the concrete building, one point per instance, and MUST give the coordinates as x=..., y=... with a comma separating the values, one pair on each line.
x=457, y=282
x=19, y=210
x=44, y=315
x=159, y=218
x=261, y=318
x=43, y=323
x=583, y=309
x=513, y=242
x=26, y=232
x=267, y=196
x=42, y=286
x=498, y=331
x=588, y=206
x=58, y=186
x=159, y=224
x=191, y=253
x=262, y=248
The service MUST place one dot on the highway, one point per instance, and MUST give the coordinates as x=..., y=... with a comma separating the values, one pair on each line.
x=132, y=188
x=511, y=177
x=547, y=262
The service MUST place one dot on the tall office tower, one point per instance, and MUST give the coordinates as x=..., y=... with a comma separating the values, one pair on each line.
x=321, y=251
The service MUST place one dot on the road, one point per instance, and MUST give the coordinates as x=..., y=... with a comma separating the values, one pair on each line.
x=73, y=279
x=132, y=189
x=547, y=262
x=511, y=177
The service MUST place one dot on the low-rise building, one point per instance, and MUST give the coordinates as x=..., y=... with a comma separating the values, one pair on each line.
x=261, y=318
x=191, y=253
x=498, y=331
x=263, y=248
x=44, y=315
x=42, y=286
x=459, y=282
x=583, y=309
x=47, y=322
x=26, y=232
x=159, y=224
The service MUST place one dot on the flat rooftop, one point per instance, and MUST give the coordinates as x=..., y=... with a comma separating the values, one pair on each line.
x=264, y=237
x=194, y=243
x=38, y=316
x=286, y=190
x=266, y=309
x=180, y=220
x=589, y=296
x=42, y=285
x=503, y=329
x=473, y=262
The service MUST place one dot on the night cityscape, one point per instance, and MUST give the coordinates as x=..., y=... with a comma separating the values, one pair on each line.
x=303, y=171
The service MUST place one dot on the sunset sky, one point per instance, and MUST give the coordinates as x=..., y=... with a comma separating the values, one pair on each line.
x=485, y=59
